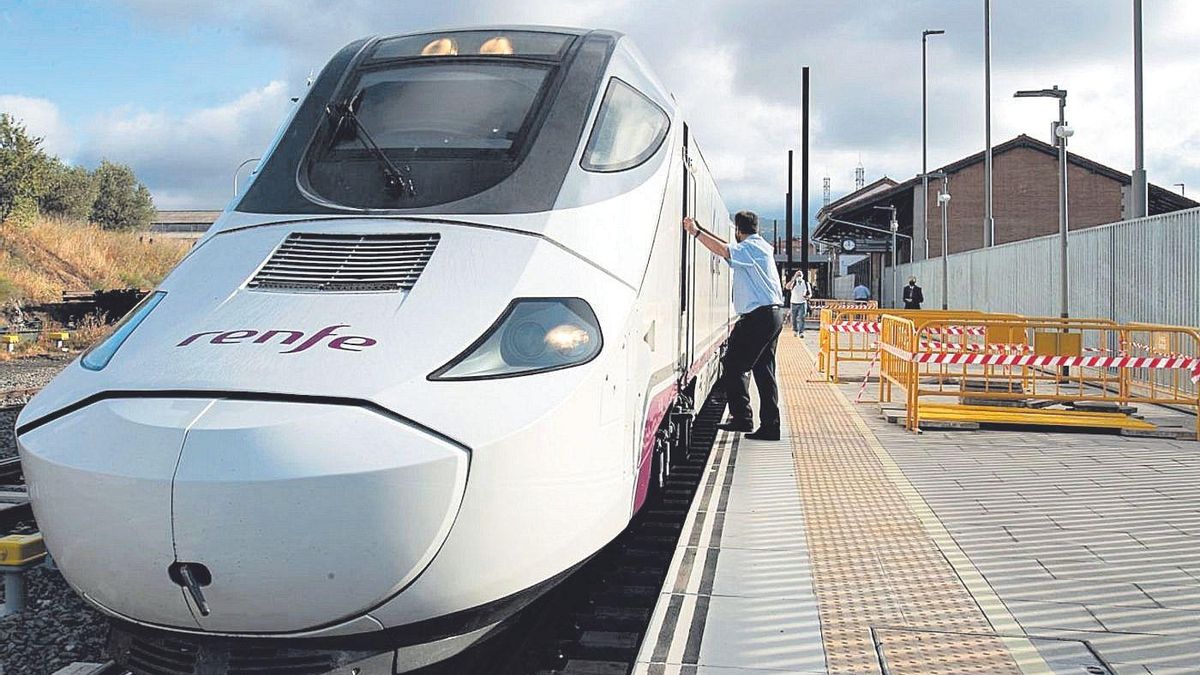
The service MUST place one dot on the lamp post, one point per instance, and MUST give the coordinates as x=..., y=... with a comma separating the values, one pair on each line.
x=1061, y=133
x=239, y=170
x=925, y=137
x=894, y=226
x=1137, y=187
x=943, y=200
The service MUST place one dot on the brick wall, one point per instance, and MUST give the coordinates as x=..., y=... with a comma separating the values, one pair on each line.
x=1025, y=200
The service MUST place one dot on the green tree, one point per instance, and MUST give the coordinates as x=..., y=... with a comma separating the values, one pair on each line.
x=24, y=168
x=122, y=203
x=71, y=191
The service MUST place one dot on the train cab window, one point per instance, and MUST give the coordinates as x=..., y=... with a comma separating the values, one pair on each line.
x=628, y=130
x=424, y=131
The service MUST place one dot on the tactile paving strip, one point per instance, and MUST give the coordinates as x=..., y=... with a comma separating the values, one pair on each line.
x=873, y=563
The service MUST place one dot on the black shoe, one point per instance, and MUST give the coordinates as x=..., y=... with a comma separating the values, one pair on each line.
x=764, y=434
x=736, y=425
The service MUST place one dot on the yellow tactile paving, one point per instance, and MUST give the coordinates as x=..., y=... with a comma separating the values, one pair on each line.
x=884, y=587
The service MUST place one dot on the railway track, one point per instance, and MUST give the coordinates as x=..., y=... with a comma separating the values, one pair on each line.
x=16, y=514
x=14, y=399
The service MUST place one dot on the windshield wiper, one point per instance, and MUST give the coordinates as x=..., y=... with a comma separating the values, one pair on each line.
x=398, y=182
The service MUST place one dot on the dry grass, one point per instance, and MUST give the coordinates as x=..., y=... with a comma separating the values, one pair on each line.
x=39, y=262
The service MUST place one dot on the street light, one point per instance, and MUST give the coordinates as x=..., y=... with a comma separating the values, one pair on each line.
x=894, y=226
x=1061, y=133
x=943, y=200
x=239, y=170
x=925, y=138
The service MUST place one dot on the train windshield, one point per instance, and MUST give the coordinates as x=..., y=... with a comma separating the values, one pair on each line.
x=412, y=130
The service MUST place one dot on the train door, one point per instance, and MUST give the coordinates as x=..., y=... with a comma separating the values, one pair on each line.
x=686, y=252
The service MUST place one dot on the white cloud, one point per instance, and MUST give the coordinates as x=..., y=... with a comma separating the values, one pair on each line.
x=734, y=65
x=188, y=160
x=41, y=118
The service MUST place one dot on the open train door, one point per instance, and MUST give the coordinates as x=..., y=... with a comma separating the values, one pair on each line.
x=682, y=411
x=687, y=255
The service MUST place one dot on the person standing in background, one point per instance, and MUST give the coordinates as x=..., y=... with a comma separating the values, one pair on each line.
x=913, y=297
x=861, y=292
x=800, y=292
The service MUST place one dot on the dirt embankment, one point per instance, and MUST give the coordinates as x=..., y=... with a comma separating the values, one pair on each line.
x=40, y=261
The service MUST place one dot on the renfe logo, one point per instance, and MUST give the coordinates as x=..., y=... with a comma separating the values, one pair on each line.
x=346, y=343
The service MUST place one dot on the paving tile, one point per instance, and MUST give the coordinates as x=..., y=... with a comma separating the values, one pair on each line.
x=1129, y=669
x=1158, y=621
x=1173, y=596
x=772, y=572
x=719, y=670
x=1033, y=615
x=762, y=633
x=764, y=529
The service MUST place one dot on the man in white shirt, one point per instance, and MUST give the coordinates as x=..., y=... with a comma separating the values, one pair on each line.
x=861, y=292
x=758, y=299
x=798, y=301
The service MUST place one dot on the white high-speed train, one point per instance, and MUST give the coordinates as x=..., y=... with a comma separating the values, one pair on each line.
x=423, y=367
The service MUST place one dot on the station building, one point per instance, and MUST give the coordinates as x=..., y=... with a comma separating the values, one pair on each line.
x=1025, y=205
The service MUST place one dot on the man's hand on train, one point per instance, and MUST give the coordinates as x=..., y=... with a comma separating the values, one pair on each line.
x=689, y=224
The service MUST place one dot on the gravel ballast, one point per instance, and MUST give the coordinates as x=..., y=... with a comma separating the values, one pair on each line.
x=57, y=627
x=27, y=373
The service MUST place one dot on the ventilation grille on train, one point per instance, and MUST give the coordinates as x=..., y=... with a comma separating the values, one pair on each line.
x=165, y=656
x=172, y=656
x=346, y=263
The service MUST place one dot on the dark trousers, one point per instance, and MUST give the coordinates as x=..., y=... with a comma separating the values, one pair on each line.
x=752, y=349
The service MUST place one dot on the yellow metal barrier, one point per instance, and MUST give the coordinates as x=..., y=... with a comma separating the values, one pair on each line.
x=815, y=305
x=1004, y=360
x=851, y=334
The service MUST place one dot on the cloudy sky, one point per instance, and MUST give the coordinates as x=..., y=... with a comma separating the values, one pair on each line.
x=184, y=91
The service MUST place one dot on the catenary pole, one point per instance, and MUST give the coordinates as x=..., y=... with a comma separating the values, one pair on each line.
x=804, y=178
x=989, y=221
x=925, y=137
x=788, y=271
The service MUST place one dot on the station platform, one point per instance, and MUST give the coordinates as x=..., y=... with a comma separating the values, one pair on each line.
x=855, y=546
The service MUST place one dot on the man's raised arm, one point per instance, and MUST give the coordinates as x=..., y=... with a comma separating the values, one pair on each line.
x=710, y=241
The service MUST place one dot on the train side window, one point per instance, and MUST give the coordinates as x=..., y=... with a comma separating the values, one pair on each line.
x=628, y=131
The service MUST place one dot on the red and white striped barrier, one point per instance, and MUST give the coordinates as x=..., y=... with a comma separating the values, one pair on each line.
x=1190, y=364
x=876, y=326
x=854, y=327
x=955, y=330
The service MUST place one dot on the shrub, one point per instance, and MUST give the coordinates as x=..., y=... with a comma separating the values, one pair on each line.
x=122, y=203
x=71, y=192
x=24, y=168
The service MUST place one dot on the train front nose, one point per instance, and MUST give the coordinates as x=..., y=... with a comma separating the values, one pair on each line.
x=298, y=515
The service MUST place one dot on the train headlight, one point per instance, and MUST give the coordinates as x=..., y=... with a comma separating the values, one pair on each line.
x=533, y=335
x=102, y=352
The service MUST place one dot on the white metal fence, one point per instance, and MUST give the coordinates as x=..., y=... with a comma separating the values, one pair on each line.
x=1145, y=270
